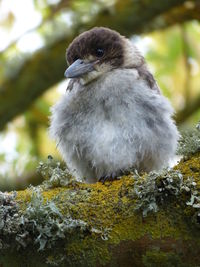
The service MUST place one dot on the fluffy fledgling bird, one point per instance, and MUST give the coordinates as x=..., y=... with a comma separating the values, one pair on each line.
x=113, y=116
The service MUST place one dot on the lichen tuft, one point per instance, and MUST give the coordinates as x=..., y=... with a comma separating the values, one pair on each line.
x=48, y=223
x=157, y=188
x=189, y=142
x=54, y=174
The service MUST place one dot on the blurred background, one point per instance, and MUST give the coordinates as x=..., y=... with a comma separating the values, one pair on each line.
x=34, y=35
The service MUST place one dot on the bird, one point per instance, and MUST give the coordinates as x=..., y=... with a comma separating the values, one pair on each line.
x=113, y=116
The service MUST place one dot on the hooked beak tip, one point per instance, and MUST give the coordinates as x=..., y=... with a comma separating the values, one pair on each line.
x=66, y=74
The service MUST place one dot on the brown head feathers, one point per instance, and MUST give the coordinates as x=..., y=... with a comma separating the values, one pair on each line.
x=102, y=43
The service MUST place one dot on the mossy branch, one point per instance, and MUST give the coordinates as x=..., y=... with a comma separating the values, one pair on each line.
x=149, y=220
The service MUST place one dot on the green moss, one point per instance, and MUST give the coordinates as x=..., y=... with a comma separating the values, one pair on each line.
x=190, y=167
x=159, y=258
x=88, y=251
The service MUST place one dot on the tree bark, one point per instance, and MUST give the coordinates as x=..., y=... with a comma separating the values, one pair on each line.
x=104, y=224
x=188, y=110
x=46, y=67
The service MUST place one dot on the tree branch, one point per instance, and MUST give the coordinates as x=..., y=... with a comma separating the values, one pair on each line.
x=102, y=225
x=188, y=110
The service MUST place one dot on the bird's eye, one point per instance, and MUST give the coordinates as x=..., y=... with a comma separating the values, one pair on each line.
x=99, y=52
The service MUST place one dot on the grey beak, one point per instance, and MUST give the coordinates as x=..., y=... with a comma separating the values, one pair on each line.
x=78, y=68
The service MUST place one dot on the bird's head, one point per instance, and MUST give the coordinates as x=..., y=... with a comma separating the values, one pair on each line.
x=99, y=51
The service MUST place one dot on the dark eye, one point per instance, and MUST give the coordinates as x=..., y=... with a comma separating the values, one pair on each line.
x=99, y=52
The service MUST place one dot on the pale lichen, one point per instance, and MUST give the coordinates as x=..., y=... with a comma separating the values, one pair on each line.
x=152, y=189
x=41, y=222
x=54, y=174
x=48, y=223
x=8, y=213
x=156, y=188
x=189, y=142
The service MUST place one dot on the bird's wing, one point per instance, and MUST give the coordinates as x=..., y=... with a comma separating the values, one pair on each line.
x=146, y=75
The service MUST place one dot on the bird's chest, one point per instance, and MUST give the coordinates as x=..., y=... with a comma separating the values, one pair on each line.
x=96, y=122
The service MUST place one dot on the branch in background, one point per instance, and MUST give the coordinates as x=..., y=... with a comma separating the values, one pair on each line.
x=190, y=10
x=49, y=16
x=186, y=55
x=19, y=183
x=46, y=67
x=188, y=110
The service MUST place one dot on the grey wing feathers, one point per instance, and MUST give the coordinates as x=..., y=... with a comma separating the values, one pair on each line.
x=145, y=74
